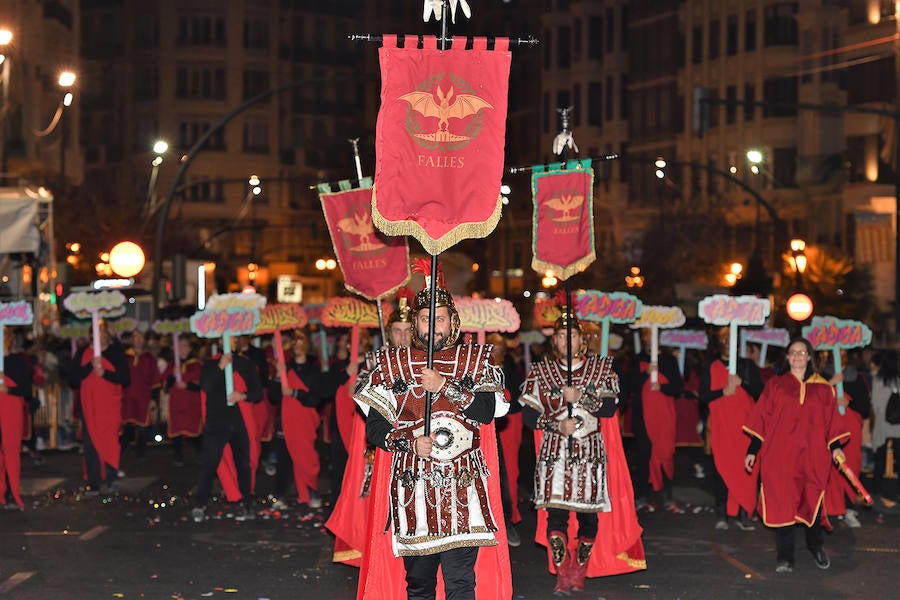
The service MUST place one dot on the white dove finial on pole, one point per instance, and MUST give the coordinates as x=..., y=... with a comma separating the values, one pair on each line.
x=565, y=139
x=433, y=7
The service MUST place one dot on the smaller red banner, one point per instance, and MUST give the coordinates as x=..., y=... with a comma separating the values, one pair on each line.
x=563, y=218
x=373, y=264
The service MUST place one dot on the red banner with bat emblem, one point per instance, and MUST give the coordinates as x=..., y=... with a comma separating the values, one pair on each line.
x=563, y=226
x=373, y=264
x=439, y=140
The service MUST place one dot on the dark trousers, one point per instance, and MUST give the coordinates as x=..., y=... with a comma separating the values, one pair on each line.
x=558, y=520
x=784, y=540
x=178, y=446
x=215, y=437
x=642, y=447
x=458, y=567
x=137, y=433
x=92, y=464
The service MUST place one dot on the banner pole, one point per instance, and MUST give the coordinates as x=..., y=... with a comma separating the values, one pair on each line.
x=432, y=296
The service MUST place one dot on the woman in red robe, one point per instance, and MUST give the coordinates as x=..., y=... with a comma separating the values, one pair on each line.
x=101, y=380
x=795, y=435
x=15, y=378
x=138, y=396
x=185, y=411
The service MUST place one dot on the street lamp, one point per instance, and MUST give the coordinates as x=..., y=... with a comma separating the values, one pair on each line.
x=326, y=264
x=66, y=80
x=798, y=259
x=126, y=259
x=634, y=278
x=549, y=280
x=160, y=147
x=735, y=272
x=755, y=157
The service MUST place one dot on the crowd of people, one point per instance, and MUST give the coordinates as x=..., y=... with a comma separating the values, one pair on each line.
x=587, y=440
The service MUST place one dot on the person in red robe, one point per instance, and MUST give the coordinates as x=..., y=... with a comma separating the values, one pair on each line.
x=349, y=519
x=101, y=380
x=15, y=380
x=185, y=410
x=653, y=421
x=138, y=395
x=795, y=436
x=729, y=398
x=306, y=388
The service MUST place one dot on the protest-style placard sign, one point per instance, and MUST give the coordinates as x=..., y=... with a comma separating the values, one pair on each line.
x=605, y=308
x=732, y=311
x=765, y=337
x=225, y=316
x=352, y=313
x=107, y=304
x=276, y=318
x=480, y=315
x=13, y=313
x=175, y=328
x=696, y=339
x=655, y=318
x=831, y=333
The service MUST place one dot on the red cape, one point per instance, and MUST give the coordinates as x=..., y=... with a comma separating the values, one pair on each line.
x=511, y=440
x=185, y=406
x=12, y=422
x=349, y=519
x=727, y=416
x=137, y=396
x=660, y=423
x=101, y=406
x=382, y=575
x=618, y=548
x=300, y=425
x=227, y=472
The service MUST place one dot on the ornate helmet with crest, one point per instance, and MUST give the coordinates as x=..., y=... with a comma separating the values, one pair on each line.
x=422, y=300
x=564, y=320
x=403, y=314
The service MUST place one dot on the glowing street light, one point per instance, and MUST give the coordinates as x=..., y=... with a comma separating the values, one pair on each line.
x=126, y=259
x=67, y=79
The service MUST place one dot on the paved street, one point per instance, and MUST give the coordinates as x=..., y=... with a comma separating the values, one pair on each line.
x=140, y=543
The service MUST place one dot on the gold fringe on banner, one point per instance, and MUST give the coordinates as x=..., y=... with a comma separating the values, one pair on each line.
x=564, y=272
x=463, y=231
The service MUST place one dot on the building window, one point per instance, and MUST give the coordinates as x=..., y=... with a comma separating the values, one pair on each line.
x=577, y=48
x=201, y=31
x=548, y=53
x=256, y=34
x=623, y=97
x=780, y=95
x=190, y=131
x=146, y=31
x=781, y=24
x=697, y=45
x=564, y=48
x=749, y=98
x=714, y=107
x=576, y=98
x=146, y=131
x=146, y=83
x=610, y=30
x=624, y=30
x=255, y=83
x=595, y=104
x=200, y=82
x=731, y=107
x=731, y=35
x=784, y=166
x=546, y=112
x=256, y=136
x=563, y=99
x=204, y=189
x=608, y=103
x=714, y=38
x=595, y=38
x=750, y=31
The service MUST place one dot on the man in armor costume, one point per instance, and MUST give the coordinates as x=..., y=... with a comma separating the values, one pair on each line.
x=580, y=473
x=442, y=502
